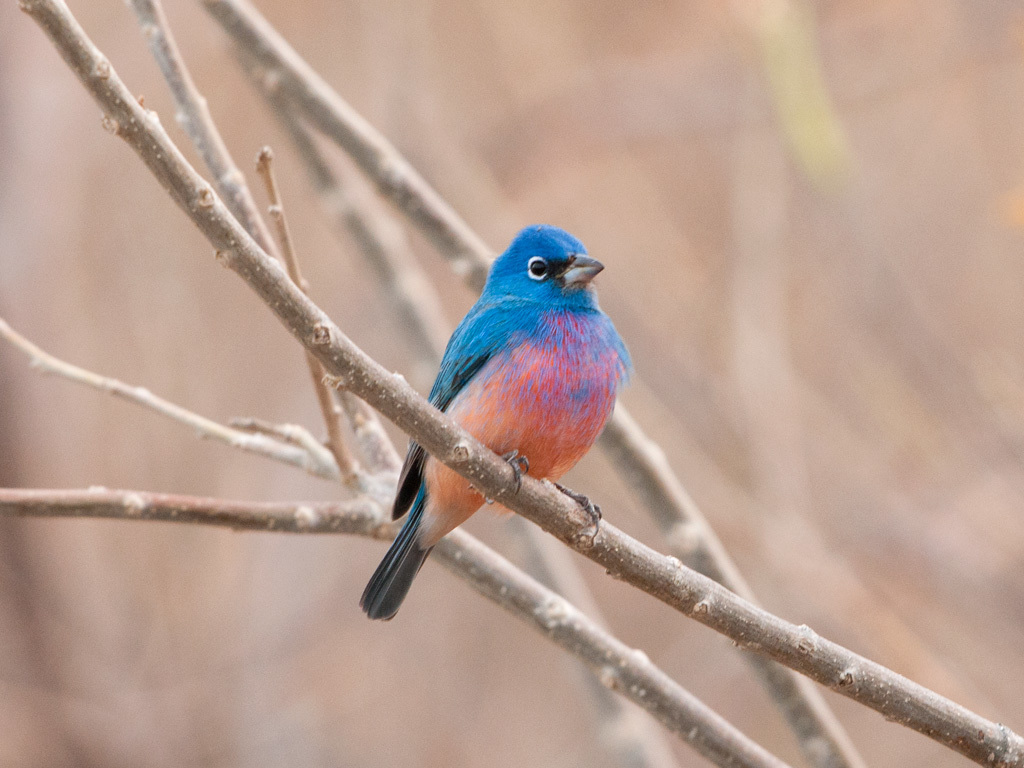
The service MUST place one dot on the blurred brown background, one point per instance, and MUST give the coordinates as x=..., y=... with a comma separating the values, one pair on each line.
x=812, y=228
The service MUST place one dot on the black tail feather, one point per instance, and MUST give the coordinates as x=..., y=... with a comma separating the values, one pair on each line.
x=391, y=581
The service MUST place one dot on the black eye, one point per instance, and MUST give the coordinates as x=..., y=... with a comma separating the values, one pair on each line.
x=537, y=268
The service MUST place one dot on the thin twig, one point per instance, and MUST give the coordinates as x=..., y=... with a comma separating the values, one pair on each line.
x=625, y=670
x=665, y=578
x=313, y=458
x=296, y=434
x=381, y=240
x=287, y=78
x=629, y=738
x=193, y=114
x=388, y=252
x=329, y=407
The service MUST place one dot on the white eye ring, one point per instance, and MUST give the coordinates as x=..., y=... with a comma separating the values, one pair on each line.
x=537, y=268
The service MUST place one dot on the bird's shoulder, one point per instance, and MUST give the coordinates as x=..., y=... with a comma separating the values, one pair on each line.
x=486, y=330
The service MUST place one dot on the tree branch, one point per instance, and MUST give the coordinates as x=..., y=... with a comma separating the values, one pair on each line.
x=380, y=239
x=195, y=119
x=691, y=538
x=666, y=578
x=286, y=77
x=329, y=408
x=395, y=178
x=313, y=458
x=622, y=669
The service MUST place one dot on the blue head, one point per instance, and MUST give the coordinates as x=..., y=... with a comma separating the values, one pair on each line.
x=547, y=265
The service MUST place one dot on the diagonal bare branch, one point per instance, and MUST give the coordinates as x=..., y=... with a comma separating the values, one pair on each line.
x=625, y=670
x=665, y=578
x=288, y=80
x=193, y=114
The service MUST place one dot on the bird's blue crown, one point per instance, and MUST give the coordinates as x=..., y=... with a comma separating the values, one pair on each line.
x=544, y=264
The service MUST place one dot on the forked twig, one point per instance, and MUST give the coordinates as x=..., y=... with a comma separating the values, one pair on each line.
x=313, y=458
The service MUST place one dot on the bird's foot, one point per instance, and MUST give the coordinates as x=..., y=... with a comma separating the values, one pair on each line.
x=520, y=466
x=593, y=511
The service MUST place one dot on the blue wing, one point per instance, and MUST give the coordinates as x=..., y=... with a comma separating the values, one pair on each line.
x=484, y=331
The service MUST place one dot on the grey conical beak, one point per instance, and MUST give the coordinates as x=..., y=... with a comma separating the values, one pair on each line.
x=582, y=269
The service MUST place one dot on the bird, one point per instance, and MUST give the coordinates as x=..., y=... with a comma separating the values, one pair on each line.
x=532, y=372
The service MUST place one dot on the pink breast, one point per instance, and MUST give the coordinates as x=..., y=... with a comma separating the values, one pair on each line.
x=548, y=398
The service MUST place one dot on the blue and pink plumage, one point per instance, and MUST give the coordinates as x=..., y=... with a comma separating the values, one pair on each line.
x=533, y=368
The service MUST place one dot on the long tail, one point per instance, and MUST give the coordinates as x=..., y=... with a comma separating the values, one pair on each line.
x=391, y=581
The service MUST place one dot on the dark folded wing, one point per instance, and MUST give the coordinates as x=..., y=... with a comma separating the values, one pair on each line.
x=409, y=480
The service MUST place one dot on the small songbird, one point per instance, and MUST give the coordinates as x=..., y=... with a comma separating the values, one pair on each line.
x=532, y=372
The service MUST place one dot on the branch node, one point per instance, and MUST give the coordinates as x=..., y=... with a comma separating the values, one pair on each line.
x=847, y=678
x=640, y=658
x=587, y=535
x=335, y=382
x=264, y=158
x=134, y=504
x=321, y=335
x=808, y=641
x=554, y=613
x=205, y=198
x=461, y=451
x=702, y=606
x=102, y=70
